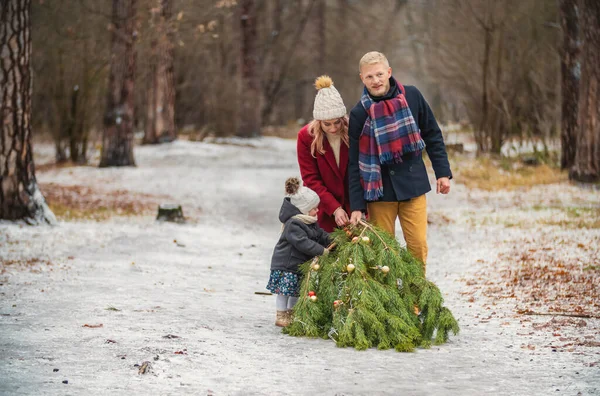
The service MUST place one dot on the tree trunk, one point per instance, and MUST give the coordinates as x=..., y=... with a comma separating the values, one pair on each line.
x=160, y=115
x=586, y=167
x=117, y=139
x=313, y=52
x=321, y=44
x=62, y=113
x=570, y=74
x=498, y=126
x=386, y=40
x=482, y=138
x=249, y=106
x=20, y=197
x=272, y=87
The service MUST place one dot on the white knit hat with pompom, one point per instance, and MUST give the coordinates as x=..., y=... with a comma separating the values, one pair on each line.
x=328, y=102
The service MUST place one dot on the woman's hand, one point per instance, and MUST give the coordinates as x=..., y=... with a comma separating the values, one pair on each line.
x=341, y=217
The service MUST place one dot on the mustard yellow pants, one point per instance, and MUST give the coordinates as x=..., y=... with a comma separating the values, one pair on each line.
x=413, y=220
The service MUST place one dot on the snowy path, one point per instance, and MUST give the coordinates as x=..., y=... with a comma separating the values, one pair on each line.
x=201, y=289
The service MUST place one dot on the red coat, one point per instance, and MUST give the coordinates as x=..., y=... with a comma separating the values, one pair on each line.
x=323, y=175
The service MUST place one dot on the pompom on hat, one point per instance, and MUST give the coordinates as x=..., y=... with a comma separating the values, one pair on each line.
x=301, y=197
x=328, y=102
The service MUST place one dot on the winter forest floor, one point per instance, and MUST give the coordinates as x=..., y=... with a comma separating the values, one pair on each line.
x=92, y=299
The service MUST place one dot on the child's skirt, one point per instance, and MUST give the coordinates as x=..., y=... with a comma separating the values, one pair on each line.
x=284, y=283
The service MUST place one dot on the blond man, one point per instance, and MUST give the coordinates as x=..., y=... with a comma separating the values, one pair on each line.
x=389, y=128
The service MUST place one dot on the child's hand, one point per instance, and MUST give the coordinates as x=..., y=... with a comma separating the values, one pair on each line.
x=325, y=252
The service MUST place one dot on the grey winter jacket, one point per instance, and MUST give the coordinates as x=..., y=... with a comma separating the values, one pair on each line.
x=298, y=242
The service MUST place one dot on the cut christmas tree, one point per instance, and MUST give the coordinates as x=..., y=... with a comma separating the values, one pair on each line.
x=370, y=292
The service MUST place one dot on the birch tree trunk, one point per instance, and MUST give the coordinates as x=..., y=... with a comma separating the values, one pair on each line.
x=20, y=197
x=117, y=139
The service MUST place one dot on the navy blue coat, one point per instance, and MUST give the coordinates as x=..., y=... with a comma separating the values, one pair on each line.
x=298, y=242
x=408, y=179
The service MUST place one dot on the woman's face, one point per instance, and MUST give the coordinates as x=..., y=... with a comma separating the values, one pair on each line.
x=332, y=127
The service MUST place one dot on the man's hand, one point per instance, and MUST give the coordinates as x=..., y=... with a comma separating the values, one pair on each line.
x=443, y=185
x=341, y=217
x=356, y=216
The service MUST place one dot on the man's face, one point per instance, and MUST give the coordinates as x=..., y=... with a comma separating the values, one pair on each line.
x=376, y=78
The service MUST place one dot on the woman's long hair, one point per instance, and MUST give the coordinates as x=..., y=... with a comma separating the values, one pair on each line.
x=315, y=130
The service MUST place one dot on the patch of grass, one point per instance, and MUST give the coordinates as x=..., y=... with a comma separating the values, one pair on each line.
x=85, y=203
x=582, y=223
x=66, y=212
x=491, y=174
x=111, y=308
x=577, y=217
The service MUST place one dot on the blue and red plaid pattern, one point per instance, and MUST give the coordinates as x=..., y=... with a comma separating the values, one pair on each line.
x=389, y=132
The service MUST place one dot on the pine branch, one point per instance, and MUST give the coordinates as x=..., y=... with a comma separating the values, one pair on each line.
x=370, y=227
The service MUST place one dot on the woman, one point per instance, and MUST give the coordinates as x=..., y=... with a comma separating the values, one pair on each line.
x=323, y=155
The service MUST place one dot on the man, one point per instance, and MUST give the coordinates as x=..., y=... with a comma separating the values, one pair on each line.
x=389, y=128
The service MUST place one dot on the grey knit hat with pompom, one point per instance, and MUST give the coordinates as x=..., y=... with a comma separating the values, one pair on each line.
x=301, y=197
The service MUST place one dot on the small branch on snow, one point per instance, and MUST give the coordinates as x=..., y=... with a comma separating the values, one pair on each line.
x=573, y=315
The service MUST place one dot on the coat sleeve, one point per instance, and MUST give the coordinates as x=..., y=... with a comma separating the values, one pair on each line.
x=434, y=140
x=324, y=237
x=297, y=237
x=357, y=201
x=311, y=174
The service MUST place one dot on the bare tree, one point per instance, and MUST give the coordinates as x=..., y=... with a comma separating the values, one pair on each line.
x=279, y=67
x=20, y=197
x=69, y=69
x=586, y=166
x=249, y=108
x=160, y=109
x=117, y=140
x=493, y=58
x=570, y=74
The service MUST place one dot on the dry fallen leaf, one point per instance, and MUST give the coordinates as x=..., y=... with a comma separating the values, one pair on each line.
x=144, y=368
x=93, y=326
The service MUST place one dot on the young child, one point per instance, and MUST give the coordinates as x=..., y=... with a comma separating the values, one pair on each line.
x=301, y=239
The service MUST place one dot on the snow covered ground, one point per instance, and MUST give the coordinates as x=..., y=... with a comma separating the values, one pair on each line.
x=182, y=297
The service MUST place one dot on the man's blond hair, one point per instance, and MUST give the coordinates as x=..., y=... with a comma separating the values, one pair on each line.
x=370, y=58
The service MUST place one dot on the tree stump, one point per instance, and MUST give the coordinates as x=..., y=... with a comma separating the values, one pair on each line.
x=170, y=212
x=455, y=147
x=531, y=160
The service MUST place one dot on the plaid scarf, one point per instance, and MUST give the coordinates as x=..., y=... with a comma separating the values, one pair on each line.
x=389, y=132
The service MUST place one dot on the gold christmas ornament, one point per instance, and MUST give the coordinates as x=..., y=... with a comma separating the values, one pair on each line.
x=350, y=267
x=313, y=298
x=355, y=239
x=385, y=269
x=366, y=239
x=316, y=267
